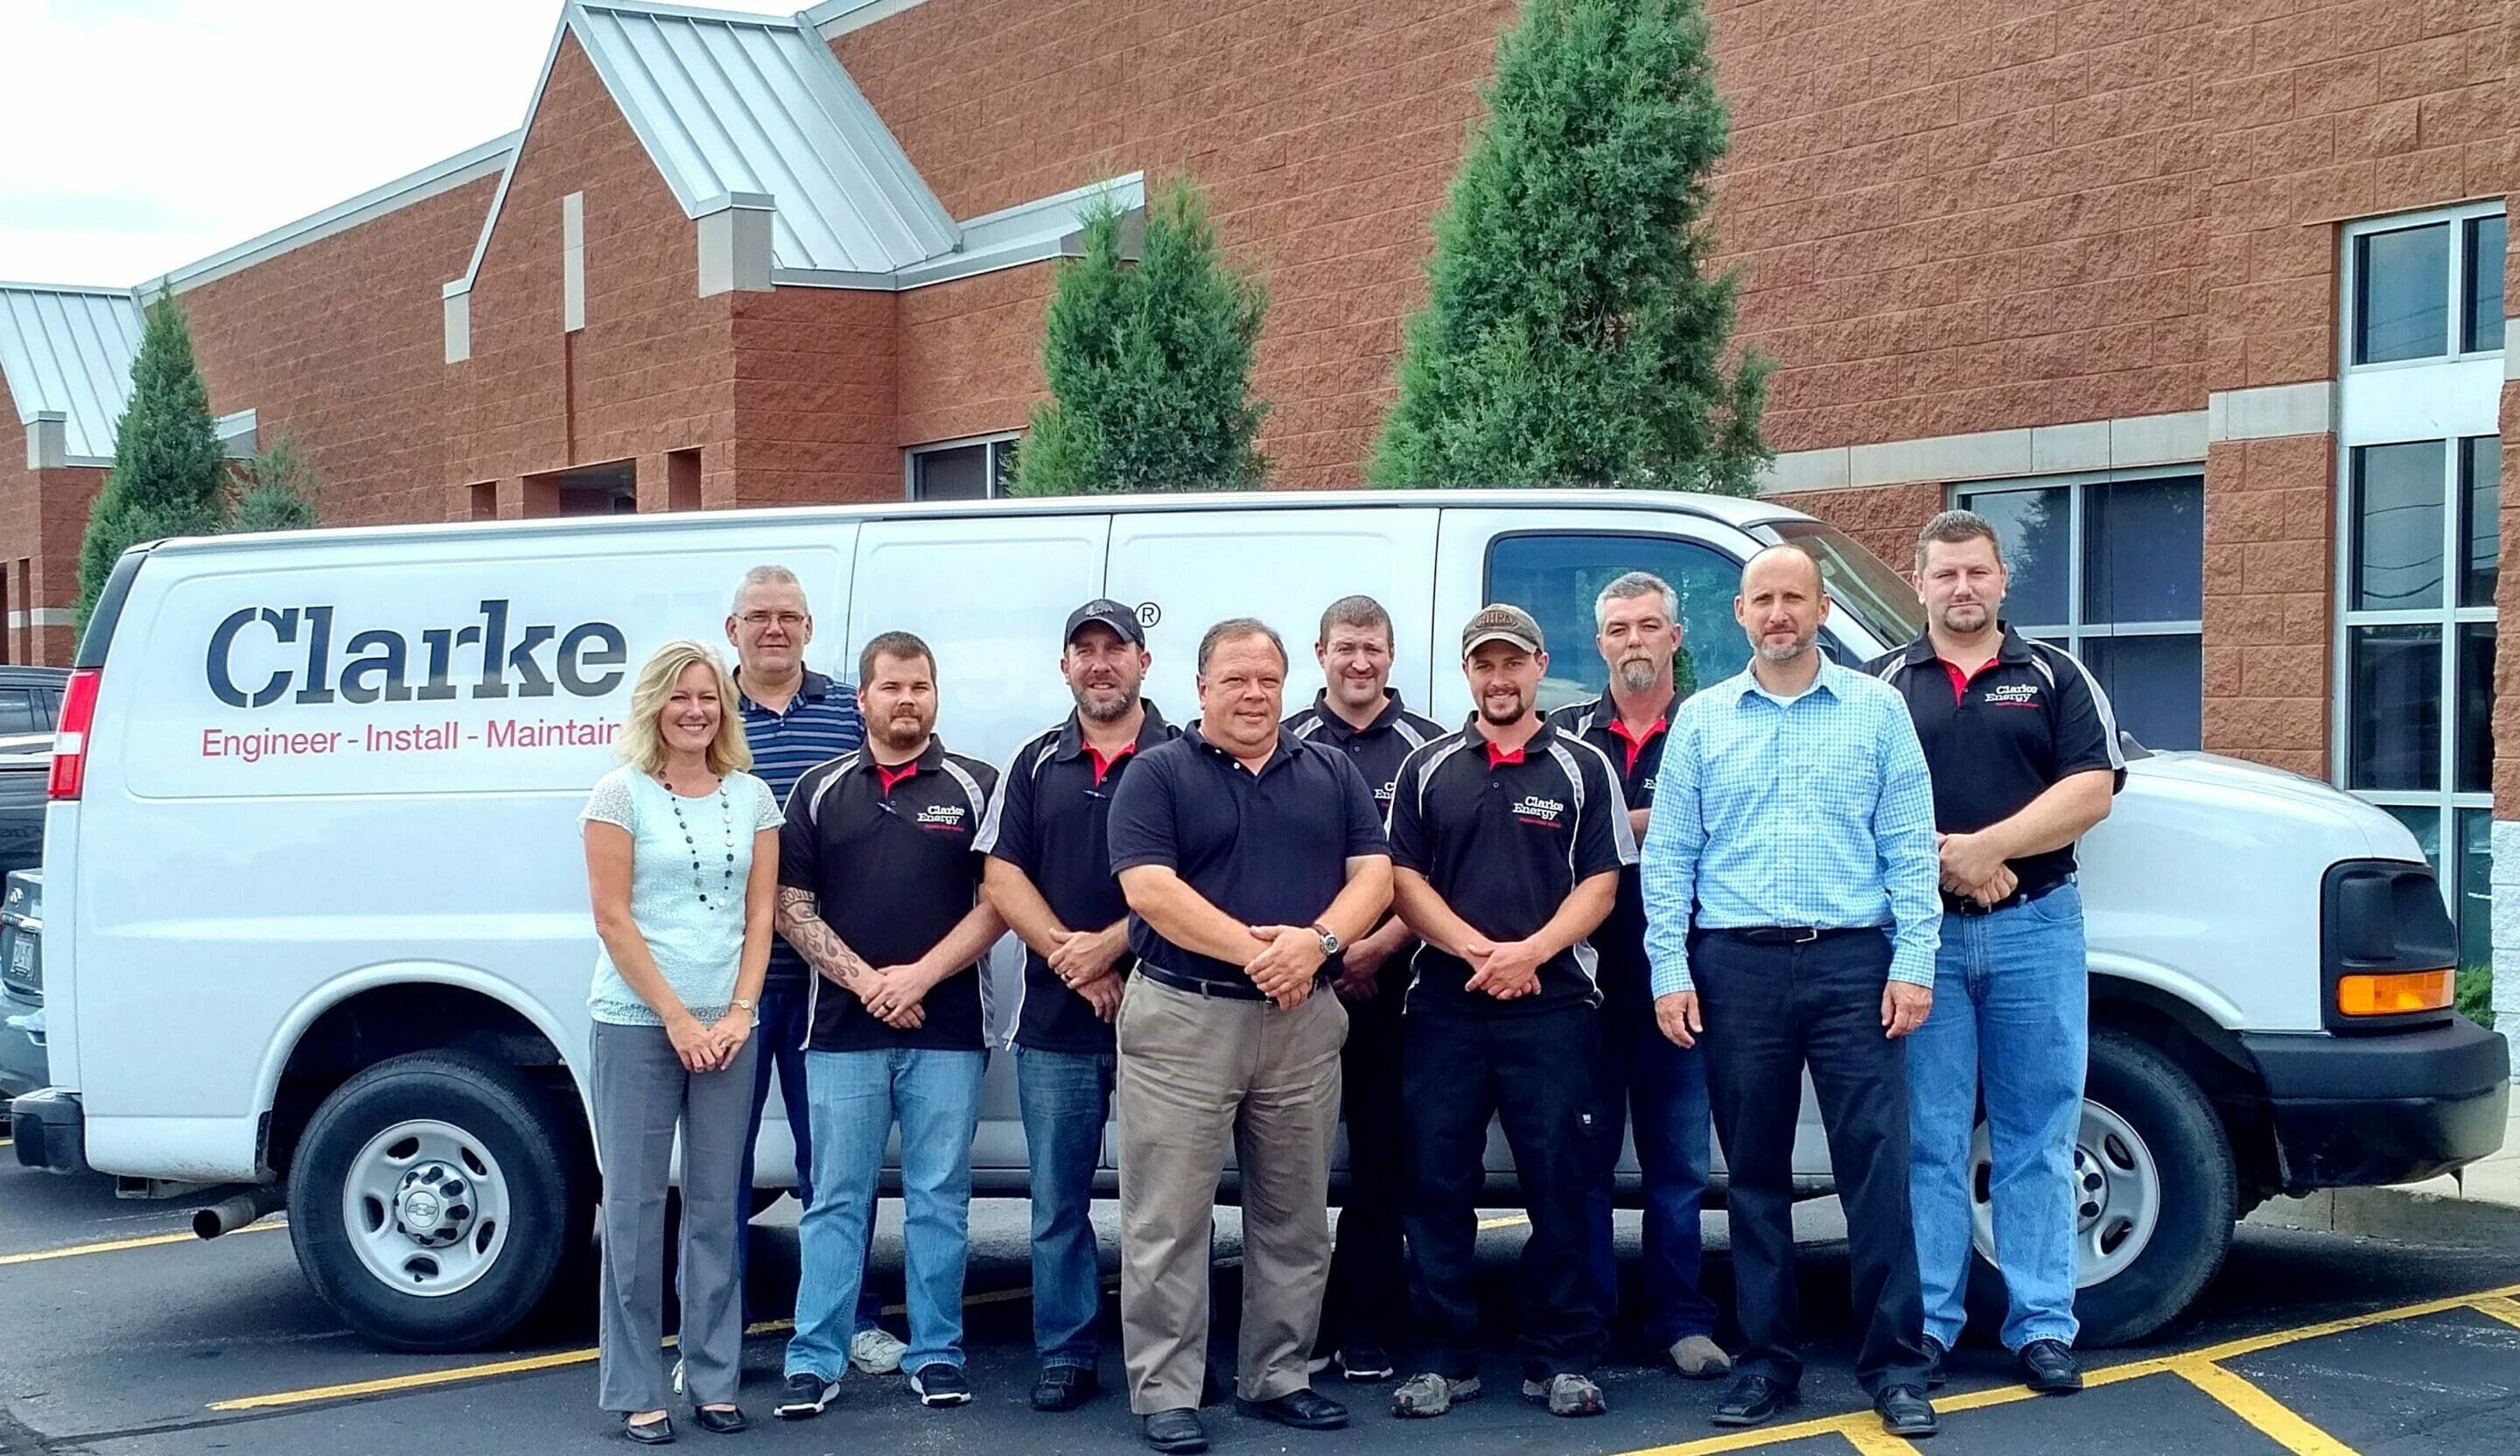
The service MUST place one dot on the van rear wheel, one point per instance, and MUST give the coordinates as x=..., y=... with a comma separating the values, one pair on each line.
x=435, y=1199
x=2156, y=1193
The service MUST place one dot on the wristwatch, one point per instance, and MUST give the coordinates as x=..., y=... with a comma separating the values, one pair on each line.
x=1331, y=944
x=749, y=1008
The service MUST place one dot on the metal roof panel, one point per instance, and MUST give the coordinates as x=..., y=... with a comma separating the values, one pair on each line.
x=70, y=350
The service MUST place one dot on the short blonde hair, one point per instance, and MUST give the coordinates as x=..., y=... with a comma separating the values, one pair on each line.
x=643, y=747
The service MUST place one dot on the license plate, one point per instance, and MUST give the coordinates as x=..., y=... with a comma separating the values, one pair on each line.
x=22, y=955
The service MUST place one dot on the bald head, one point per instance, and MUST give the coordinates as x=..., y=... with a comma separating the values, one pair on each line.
x=1781, y=605
x=1792, y=561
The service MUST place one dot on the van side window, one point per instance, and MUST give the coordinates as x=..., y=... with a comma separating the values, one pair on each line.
x=1555, y=576
x=17, y=711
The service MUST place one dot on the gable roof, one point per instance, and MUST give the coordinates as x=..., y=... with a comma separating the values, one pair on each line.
x=70, y=349
x=730, y=104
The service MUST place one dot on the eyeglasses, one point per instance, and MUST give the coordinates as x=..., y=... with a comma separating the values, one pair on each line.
x=790, y=619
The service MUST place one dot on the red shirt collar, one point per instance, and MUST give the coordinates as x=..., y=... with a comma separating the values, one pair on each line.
x=887, y=777
x=1636, y=745
x=1498, y=757
x=1960, y=680
x=1102, y=765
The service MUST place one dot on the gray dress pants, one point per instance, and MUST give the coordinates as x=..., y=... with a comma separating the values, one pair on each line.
x=642, y=1093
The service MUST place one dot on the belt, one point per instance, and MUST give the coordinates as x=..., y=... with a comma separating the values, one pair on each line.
x=1200, y=985
x=1964, y=906
x=1792, y=935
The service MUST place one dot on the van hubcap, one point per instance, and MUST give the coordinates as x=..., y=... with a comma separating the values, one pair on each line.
x=426, y=1207
x=2116, y=1191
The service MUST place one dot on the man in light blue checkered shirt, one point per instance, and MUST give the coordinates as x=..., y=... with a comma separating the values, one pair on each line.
x=1792, y=909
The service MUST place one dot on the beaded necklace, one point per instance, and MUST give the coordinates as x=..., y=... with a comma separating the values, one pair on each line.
x=726, y=812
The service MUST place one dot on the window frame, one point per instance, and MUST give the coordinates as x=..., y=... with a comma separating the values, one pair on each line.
x=2452, y=422
x=2077, y=485
x=910, y=460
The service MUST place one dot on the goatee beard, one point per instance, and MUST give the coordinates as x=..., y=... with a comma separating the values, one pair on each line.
x=1106, y=714
x=1639, y=677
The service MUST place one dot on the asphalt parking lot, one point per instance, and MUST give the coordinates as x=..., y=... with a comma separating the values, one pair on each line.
x=123, y=1335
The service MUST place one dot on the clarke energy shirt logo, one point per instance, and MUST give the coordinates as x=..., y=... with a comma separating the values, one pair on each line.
x=281, y=660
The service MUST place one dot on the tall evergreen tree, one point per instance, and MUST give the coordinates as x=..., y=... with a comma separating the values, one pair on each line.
x=1573, y=335
x=1149, y=366
x=169, y=476
x=276, y=489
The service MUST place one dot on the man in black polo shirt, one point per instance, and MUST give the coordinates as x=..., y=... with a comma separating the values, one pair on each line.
x=1359, y=714
x=1248, y=860
x=2024, y=754
x=878, y=890
x=1050, y=877
x=1637, y=621
x=1506, y=842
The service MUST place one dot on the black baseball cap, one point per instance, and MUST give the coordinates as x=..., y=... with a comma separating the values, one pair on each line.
x=1110, y=614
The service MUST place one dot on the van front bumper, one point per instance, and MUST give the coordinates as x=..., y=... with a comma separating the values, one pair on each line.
x=50, y=1129
x=2396, y=1107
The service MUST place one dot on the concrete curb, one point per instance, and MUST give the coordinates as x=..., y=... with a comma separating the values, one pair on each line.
x=2405, y=1214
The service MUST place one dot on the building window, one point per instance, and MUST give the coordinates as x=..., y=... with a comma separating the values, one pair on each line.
x=2113, y=569
x=962, y=469
x=2420, y=539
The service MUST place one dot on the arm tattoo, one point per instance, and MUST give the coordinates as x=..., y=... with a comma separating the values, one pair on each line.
x=801, y=922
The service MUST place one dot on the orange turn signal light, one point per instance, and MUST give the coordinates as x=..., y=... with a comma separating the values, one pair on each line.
x=2393, y=994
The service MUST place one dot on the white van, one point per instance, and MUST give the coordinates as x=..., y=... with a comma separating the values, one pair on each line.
x=317, y=910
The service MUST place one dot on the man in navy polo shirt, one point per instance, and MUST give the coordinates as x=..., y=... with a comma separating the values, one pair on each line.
x=1637, y=619
x=879, y=889
x=1248, y=859
x=2024, y=754
x=1048, y=838
x=795, y=718
x=1359, y=713
x=1506, y=842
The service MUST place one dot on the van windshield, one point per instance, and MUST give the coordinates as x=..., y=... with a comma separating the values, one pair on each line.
x=1860, y=583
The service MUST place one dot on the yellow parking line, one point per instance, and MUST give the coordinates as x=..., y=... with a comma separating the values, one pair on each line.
x=2501, y=1306
x=117, y=1246
x=1967, y=1401
x=1511, y=1220
x=419, y=1380
x=1867, y=1436
x=2275, y=1420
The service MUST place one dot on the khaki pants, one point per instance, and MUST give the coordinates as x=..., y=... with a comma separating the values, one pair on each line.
x=1195, y=1072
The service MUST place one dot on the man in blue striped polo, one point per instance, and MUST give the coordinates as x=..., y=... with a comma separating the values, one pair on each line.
x=794, y=719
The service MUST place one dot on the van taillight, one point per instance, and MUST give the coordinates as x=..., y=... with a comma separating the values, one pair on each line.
x=69, y=740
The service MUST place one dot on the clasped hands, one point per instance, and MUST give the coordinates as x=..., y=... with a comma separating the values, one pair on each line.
x=1973, y=867
x=1083, y=961
x=711, y=1046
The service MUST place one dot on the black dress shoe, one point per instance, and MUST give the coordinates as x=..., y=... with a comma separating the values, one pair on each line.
x=1904, y=1411
x=2048, y=1366
x=1174, y=1432
x=656, y=1433
x=1305, y=1410
x=1934, y=1353
x=1753, y=1398
x=1065, y=1387
x=718, y=1421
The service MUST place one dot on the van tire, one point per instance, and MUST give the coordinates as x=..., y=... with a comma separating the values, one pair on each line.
x=2199, y=1192
x=486, y=1131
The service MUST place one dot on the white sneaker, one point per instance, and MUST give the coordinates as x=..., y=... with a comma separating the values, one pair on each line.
x=875, y=1352
x=1700, y=1358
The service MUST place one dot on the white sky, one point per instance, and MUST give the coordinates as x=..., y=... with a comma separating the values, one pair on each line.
x=139, y=135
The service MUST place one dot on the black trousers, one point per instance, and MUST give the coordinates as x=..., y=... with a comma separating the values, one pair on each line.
x=1535, y=1072
x=1770, y=1011
x=1369, y=1289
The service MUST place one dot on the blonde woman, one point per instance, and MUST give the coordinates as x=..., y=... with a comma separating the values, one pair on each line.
x=682, y=861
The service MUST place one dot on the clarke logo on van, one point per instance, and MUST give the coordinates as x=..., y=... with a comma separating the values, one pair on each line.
x=588, y=660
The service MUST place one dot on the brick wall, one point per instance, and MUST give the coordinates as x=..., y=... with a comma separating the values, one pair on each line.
x=814, y=389
x=340, y=343
x=43, y=515
x=2269, y=545
x=653, y=367
x=1325, y=133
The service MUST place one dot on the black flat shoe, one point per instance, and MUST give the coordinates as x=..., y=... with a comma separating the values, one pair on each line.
x=2048, y=1366
x=1305, y=1410
x=1904, y=1411
x=1176, y=1432
x=656, y=1433
x=1065, y=1387
x=1934, y=1353
x=1753, y=1398
x=725, y=1422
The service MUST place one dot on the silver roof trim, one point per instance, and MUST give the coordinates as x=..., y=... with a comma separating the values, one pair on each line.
x=840, y=17
x=68, y=351
x=1028, y=233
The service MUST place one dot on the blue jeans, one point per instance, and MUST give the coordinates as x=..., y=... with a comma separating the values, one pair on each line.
x=2011, y=998
x=856, y=1098
x=1666, y=1084
x=1066, y=1099
x=781, y=1035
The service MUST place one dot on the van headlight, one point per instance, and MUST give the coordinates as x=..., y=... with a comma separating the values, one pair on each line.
x=2388, y=952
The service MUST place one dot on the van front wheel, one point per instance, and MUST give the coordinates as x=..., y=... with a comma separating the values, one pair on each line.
x=2156, y=1195
x=434, y=1200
